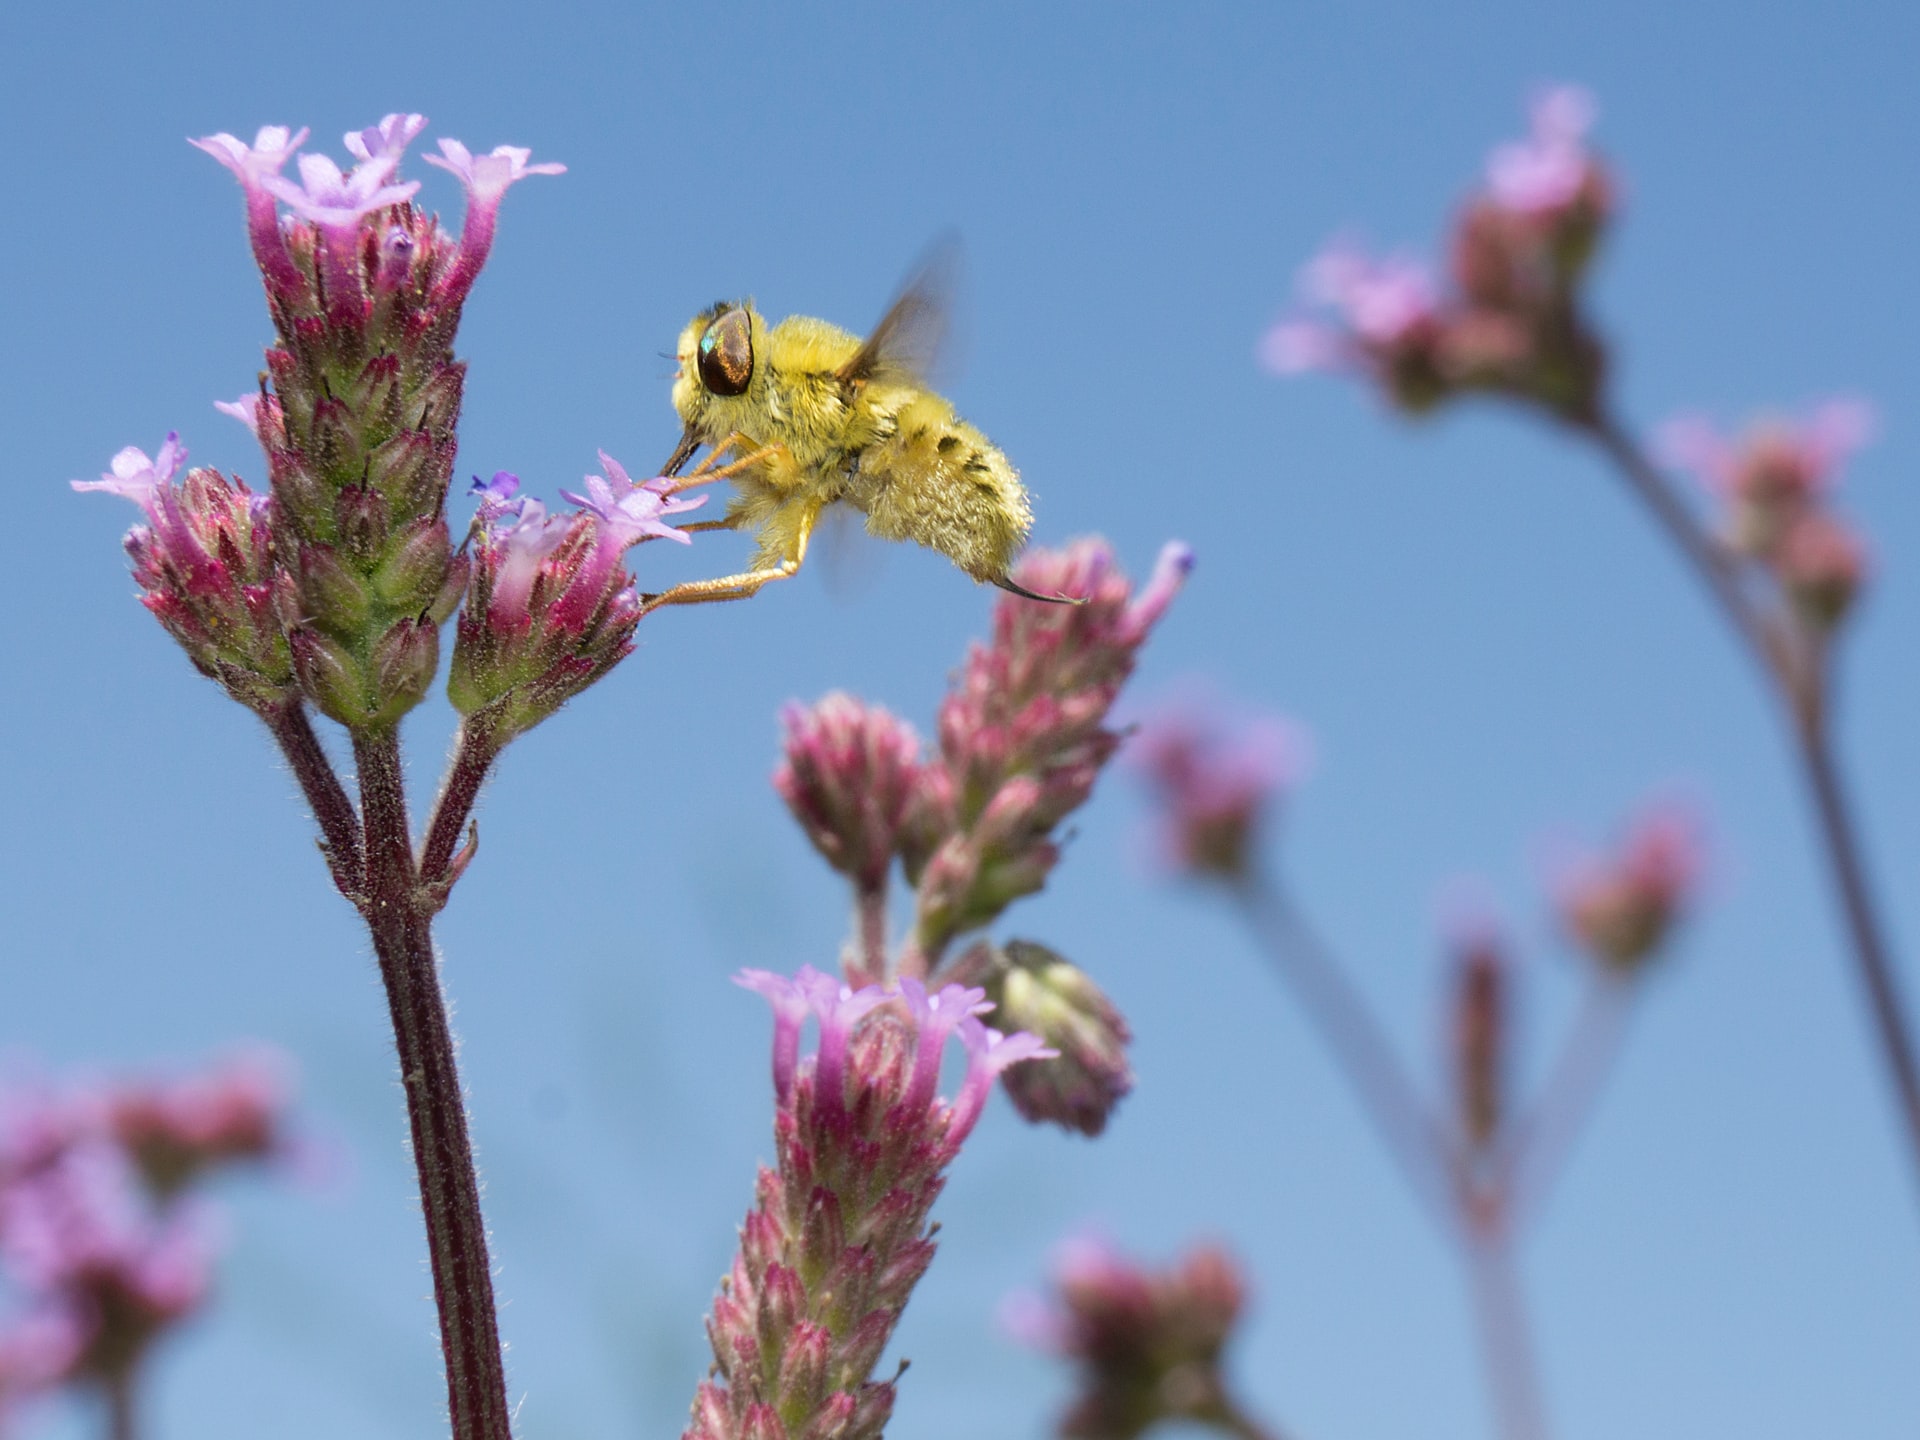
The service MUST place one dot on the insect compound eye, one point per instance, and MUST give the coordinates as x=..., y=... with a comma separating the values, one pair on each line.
x=726, y=354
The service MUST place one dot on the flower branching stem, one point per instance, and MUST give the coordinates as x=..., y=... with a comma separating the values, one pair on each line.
x=372, y=857
x=1800, y=686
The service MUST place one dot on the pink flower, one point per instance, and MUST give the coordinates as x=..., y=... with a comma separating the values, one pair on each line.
x=1548, y=171
x=1379, y=307
x=551, y=607
x=1215, y=778
x=206, y=564
x=487, y=178
x=848, y=776
x=839, y=1235
x=1822, y=564
x=1147, y=1344
x=1621, y=908
x=272, y=147
x=1023, y=735
x=1773, y=474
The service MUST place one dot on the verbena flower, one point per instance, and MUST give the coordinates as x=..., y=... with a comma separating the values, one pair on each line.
x=553, y=607
x=206, y=564
x=1043, y=994
x=1621, y=907
x=358, y=425
x=1147, y=1345
x=848, y=774
x=1023, y=734
x=839, y=1234
x=1216, y=780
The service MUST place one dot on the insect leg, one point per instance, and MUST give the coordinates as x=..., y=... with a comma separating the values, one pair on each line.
x=707, y=471
x=736, y=587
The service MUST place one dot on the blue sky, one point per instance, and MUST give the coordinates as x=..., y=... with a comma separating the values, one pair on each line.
x=1487, y=642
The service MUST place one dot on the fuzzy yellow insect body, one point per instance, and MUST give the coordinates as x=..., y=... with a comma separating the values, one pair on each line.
x=813, y=416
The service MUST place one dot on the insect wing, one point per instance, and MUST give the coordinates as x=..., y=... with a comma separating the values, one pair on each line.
x=906, y=344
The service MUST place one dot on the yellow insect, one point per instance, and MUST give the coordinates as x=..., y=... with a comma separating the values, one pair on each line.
x=814, y=416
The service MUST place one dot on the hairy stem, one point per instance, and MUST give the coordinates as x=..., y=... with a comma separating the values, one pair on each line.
x=473, y=755
x=870, y=935
x=436, y=1112
x=326, y=797
x=1359, y=1047
x=1800, y=688
x=1505, y=1341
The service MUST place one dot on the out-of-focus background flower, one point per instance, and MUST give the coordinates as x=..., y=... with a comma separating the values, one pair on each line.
x=1485, y=639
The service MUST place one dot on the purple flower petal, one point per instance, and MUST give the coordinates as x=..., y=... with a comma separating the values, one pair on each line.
x=337, y=201
x=137, y=478
x=252, y=163
x=488, y=176
x=386, y=142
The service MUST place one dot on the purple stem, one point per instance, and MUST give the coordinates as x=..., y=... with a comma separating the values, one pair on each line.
x=474, y=754
x=1800, y=690
x=117, y=1389
x=870, y=935
x=339, y=823
x=1504, y=1338
x=436, y=1112
x=1536, y=1152
x=1359, y=1047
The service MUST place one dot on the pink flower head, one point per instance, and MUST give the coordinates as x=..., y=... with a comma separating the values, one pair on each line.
x=176, y=1130
x=1621, y=907
x=1022, y=733
x=1822, y=564
x=839, y=1235
x=1379, y=307
x=1551, y=169
x=206, y=564
x=1147, y=1344
x=848, y=775
x=1775, y=473
x=1215, y=778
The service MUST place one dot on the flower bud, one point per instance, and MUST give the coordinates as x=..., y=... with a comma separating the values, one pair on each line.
x=1481, y=1028
x=1035, y=990
x=1147, y=1344
x=1621, y=908
x=849, y=776
x=1217, y=780
x=1822, y=565
x=206, y=563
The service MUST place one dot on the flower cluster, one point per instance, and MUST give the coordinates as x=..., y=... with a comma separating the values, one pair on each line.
x=335, y=589
x=1510, y=324
x=205, y=563
x=1216, y=781
x=552, y=607
x=1774, y=484
x=1622, y=908
x=97, y=1230
x=1023, y=736
x=1148, y=1344
x=839, y=1233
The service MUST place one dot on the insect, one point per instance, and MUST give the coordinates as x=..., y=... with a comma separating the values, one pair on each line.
x=813, y=416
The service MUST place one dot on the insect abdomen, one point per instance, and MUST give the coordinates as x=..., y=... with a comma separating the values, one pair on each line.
x=936, y=480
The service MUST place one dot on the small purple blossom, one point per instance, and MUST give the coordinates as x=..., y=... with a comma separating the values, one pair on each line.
x=272, y=146
x=487, y=177
x=335, y=201
x=246, y=410
x=135, y=477
x=989, y=1054
x=1548, y=170
x=1378, y=305
x=385, y=143
x=632, y=512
